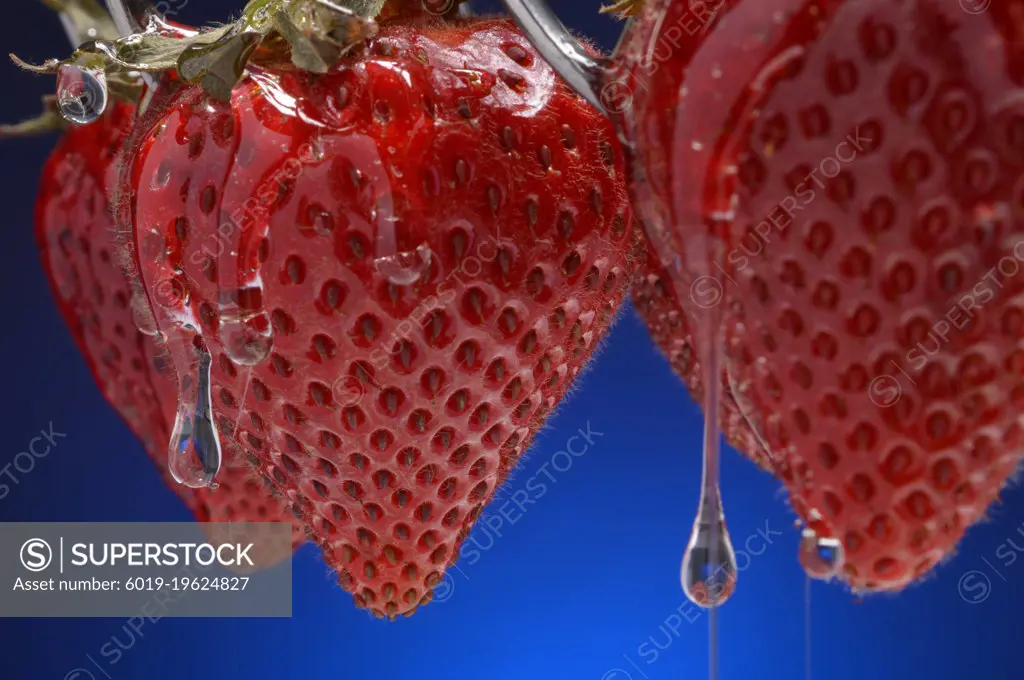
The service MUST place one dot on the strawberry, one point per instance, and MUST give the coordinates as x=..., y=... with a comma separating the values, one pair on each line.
x=75, y=233
x=396, y=268
x=857, y=166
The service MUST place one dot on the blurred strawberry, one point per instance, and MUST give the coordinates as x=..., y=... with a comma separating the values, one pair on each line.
x=859, y=163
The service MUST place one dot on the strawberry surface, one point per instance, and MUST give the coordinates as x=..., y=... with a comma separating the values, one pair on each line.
x=395, y=399
x=75, y=234
x=857, y=167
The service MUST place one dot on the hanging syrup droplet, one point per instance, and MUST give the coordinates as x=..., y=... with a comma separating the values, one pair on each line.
x=247, y=337
x=708, y=572
x=81, y=93
x=142, y=315
x=821, y=557
x=808, y=665
x=244, y=326
x=194, y=453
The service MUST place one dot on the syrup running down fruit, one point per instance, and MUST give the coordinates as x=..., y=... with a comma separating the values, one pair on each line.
x=375, y=240
x=75, y=236
x=384, y=275
x=867, y=164
x=838, y=179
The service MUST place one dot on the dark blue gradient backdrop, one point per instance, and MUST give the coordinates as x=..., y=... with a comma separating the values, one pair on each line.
x=581, y=585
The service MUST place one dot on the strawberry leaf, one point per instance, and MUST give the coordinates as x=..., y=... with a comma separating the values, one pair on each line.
x=623, y=8
x=49, y=120
x=318, y=32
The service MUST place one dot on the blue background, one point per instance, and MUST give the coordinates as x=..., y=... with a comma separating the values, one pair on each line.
x=583, y=583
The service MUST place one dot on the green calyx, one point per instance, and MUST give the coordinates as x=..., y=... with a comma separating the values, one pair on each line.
x=83, y=20
x=318, y=32
x=367, y=9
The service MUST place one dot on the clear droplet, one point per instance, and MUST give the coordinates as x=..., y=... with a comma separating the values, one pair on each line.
x=194, y=453
x=142, y=315
x=81, y=93
x=245, y=329
x=708, y=573
x=246, y=341
x=161, y=177
x=821, y=557
x=404, y=268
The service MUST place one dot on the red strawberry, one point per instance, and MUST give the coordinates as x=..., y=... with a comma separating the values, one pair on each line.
x=394, y=400
x=75, y=234
x=871, y=235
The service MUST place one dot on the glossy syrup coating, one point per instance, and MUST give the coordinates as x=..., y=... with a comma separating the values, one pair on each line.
x=857, y=167
x=86, y=269
x=391, y=404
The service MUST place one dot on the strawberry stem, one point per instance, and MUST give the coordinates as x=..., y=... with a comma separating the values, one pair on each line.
x=366, y=9
x=49, y=120
x=623, y=8
x=82, y=20
x=319, y=32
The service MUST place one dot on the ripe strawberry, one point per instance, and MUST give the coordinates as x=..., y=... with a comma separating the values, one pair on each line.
x=75, y=233
x=862, y=161
x=391, y=405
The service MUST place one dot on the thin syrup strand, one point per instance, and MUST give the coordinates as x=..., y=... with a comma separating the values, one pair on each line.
x=807, y=628
x=713, y=639
x=241, y=403
x=711, y=500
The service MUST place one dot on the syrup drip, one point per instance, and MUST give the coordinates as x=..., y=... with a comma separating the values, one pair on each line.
x=194, y=453
x=81, y=94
